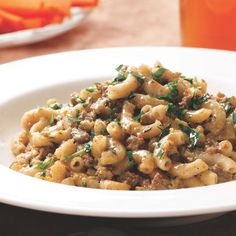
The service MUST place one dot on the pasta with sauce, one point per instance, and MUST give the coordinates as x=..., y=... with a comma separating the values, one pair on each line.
x=147, y=129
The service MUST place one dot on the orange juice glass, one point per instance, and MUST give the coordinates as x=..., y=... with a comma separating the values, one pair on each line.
x=208, y=23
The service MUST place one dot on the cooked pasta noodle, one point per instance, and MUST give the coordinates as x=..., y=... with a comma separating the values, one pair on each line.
x=146, y=129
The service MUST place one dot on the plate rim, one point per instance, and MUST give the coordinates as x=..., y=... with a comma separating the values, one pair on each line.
x=6, y=198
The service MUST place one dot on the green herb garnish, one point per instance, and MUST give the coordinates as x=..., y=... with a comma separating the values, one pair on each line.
x=92, y=133
x=104, y=132
x=51, y=120
x=165, y=132
x=112, y=116
x=84, y=184
x=190, y=80
x=130, y=158
x=131, y=96
x=118, y=78
x=193, y=135
x=170, y=97
x=234, y=117
x=156, y=75
x=90, y=90
x=176, y=111
x=196, y=102
x=139, y=77
x=79, y=153
x=160, y=151
x=44, y=173
x=73, y=119
x=85, y=105
x=80, y=100
x=118, y=68
x=88, y=147
x=56, y=106
x=138, y=117
x=44, y=164
x=228, y=106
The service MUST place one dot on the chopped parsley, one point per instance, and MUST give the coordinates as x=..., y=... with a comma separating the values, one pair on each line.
x=84, y=184
x=228, y=106
x=160, y=151
x=104, y=132
x=79, y=153
x=92, y=133
x=138, y=117
x=196, y=102
x=190, y=80
x=86, y=149
x=118, y=68
x=75, y=120
x=47, y=162
x=90, y=90
x=170, y=97
x=56, y=106
x=51, y=120
x=165, y=131
x=156, y=75
x=234, y=117
x=175, y=110
x=85, y=105
x=80, y=100
x=130, y=158
x=131, y=96
x=43, y=173
x=118, y=78
x=112, y=116
x=139, y=77
x=193, y=135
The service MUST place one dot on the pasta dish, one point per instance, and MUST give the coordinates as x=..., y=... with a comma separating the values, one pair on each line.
x=146, y=129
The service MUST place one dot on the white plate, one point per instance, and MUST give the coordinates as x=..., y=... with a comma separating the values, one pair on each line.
x=24, y=37
x=28, y=83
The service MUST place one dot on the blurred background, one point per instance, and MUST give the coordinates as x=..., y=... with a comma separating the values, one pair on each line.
x=84, y=24
x=112, y=23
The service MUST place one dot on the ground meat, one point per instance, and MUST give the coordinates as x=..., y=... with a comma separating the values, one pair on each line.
x=134, y=143
x=185, y=101
x=89, y=161
x=73, y=98
x=104, y=173
x=223, y=176
x=91, y=116
x=80, y=135
x=101, y=87
x=130, y=178
x=101, y=107
x=44, y=152
x=159, y=182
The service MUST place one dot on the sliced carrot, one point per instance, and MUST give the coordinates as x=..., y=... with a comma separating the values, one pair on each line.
x=62, y=6
x=84, y=3
x=12, y=21
x=30, y=23
x=29, y=13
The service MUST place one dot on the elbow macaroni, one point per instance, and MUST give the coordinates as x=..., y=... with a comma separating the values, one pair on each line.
x=147, y=129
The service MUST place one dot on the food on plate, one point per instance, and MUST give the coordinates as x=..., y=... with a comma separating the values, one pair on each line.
x=86, y=3
x=146, y=129
x=18, y=15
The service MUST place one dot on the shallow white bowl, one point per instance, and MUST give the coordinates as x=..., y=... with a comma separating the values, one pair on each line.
x=29, y=83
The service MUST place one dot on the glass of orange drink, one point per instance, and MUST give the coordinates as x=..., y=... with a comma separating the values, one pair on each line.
x=208, y=23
